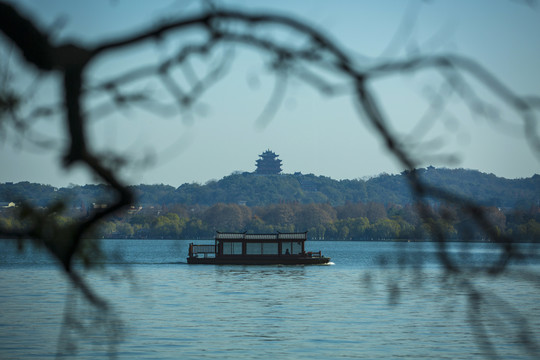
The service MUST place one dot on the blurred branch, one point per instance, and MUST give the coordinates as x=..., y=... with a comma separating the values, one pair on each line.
x=312, y=60
x=320, y=53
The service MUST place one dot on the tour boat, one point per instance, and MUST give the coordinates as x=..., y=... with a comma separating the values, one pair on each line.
x=255, y=249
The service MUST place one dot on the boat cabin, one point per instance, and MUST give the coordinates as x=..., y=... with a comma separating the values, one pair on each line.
x=243, y=248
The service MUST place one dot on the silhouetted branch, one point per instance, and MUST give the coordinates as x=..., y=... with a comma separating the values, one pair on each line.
x=492, y=317
x=71, y=60
x=314, y=59
x=320, y=52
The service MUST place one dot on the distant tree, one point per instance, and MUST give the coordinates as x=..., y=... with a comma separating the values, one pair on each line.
x=312, y=215
x=196, y=229
x=227, y=217
x=282, y=214
x=385, y=229
x=351, y=211
x=496, y=217
x=125, y=229
x=358, y=228
x=375, y=212
x=257, y=225
x=169, y=226
x=529, y=231
x=180, y=210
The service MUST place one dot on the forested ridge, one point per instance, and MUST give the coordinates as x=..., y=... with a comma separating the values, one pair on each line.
x=261, y=190
x=377, y=208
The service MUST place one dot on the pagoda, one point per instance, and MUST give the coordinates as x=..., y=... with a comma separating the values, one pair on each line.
x=268, y=164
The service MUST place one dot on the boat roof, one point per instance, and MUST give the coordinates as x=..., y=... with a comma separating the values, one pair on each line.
x=299, y=236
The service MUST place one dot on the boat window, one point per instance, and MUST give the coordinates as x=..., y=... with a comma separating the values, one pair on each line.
x=237, y=248
x=254, y=248
x=270, y=248
x=296, y=248
x=292, y=247
x=286, y=248
x=232, y=248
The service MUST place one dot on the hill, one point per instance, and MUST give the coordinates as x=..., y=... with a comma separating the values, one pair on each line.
x=255, y=190
x=261, y=190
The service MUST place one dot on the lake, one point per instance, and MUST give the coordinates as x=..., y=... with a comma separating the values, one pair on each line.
x=376, y=300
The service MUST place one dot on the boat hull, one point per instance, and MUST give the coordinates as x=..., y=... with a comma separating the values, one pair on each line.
x=259, y=260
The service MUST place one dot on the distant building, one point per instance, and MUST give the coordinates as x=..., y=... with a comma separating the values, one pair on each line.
x=268, y=164
x=99, y=206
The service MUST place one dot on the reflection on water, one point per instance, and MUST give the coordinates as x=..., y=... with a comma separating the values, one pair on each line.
x=259, y=273
x=379, y=300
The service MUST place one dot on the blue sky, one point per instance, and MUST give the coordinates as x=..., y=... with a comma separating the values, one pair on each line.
x=312, y=133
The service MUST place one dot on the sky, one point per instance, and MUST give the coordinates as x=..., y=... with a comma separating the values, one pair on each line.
x=311, y=132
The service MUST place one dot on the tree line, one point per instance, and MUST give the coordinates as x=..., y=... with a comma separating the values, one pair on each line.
x=351, y=221
x=256, y=190
x=376, y=208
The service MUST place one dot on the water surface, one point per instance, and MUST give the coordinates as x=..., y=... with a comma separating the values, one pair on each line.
x=378, y=300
